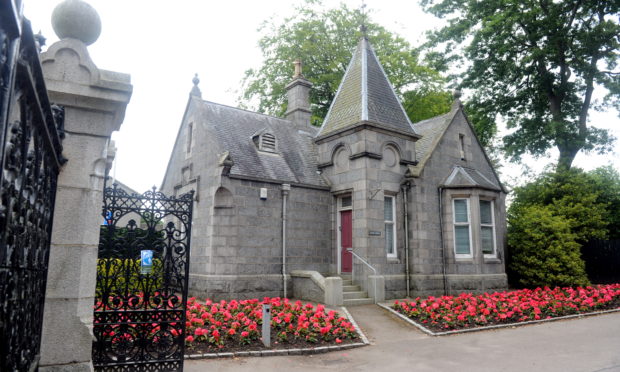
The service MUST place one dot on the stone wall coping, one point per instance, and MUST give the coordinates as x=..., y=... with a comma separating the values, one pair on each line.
x=316, y=277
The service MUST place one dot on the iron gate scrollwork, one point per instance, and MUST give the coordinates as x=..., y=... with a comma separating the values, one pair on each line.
x=142, y=282
x=30, y=156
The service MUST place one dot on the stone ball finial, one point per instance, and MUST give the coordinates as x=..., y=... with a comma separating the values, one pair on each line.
x=195, y=80
x=457, y=94
x=78, y=20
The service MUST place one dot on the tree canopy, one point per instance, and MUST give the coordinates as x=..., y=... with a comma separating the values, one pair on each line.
x=550, y=219
x=537, y=63
x=324, y=40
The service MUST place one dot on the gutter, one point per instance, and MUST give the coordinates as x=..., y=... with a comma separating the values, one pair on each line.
x=443, y=248
x=286, y=188
x=405, y=186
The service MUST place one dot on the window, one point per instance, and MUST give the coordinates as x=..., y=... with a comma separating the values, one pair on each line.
x=487, y=228
x=462, y=145
x=346, y=202
x=190, y=133
x=462, y=236
x=390, y=228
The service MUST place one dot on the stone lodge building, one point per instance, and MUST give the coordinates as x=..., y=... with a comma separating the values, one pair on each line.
x=281, y=201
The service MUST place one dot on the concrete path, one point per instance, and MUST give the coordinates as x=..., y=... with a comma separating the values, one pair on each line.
x=581, y=345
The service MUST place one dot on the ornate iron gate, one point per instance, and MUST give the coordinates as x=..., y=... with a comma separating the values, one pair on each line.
x=30, y=150
x=142, y=278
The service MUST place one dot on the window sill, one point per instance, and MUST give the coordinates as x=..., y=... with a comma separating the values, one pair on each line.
x=469, y=260
x=393, y=260
x=492, y=260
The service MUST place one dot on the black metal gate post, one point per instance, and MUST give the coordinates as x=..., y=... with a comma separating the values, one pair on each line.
x=142, y=282
x=30, y=156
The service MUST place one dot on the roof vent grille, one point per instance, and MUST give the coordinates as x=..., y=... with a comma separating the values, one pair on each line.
x=268, y=142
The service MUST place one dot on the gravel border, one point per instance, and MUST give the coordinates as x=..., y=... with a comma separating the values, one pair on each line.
x=496, y=326
x=298, y=351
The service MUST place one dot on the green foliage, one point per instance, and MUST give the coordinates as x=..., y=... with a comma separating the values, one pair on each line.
x=424, y=104
x=589, y=201
x=561, y=209
x=112, y=274
x=544, y=250
x=606, y=181
x=324, y=40
x=536, y=63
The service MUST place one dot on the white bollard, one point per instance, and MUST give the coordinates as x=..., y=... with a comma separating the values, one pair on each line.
x=267, y=325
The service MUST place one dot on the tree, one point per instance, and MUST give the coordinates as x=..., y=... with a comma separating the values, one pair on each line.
x=544, y=251
x=561, y=209
x=537, y=63
x=324, y=40
x=586, y=200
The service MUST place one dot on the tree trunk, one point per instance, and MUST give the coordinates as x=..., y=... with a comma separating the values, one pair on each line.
x=567, y=155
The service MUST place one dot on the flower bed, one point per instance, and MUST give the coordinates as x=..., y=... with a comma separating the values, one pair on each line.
x=236, y=325
x=469, y=311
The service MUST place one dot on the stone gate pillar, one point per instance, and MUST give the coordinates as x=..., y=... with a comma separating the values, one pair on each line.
x=94, y=102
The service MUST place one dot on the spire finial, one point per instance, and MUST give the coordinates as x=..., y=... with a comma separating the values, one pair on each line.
x=195, y=90
x=298, y=66
x=363, y=27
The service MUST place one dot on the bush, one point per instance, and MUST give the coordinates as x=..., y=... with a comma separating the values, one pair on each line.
x=112, y=274
x=544, y=250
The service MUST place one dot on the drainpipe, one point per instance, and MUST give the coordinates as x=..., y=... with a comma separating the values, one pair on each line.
x=443, y=249
x=405, y=186
x=285, y=190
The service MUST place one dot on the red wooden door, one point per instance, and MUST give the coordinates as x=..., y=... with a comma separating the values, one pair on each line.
x=346, y=241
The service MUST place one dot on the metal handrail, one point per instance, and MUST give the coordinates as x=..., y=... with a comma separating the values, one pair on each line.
x=367, y=264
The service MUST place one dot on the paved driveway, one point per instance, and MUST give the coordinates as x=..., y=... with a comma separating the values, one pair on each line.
x=585, y=345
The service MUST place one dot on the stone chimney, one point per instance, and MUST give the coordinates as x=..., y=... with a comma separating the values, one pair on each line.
x=298, y=95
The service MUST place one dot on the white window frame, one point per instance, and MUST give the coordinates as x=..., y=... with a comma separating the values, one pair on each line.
x=468, y=224
x=492, y=225
x=394, y=253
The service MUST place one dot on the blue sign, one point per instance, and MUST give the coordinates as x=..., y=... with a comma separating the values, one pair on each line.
x=108, y=218
x=146, y=261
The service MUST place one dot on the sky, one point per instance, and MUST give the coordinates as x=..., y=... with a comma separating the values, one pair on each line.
x=162, y=44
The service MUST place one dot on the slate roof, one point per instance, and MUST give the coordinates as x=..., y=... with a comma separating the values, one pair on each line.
x=469, y=177
x=365, y=95
x=431, y=131
x=295, y=160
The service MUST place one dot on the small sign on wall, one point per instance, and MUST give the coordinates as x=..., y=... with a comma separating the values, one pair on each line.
x=146, y=261
x=374, y=233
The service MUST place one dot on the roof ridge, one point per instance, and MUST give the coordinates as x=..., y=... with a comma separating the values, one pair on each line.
x=245, y=110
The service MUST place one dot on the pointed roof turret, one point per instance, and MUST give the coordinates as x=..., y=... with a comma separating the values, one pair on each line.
x=365, y=96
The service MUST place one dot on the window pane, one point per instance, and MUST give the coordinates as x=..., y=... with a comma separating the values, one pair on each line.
x=462, y=239
x=388, y=209
x=389, y=238
x=346, y=201
x=460, y=210
x=486, y=235
x=485, y=212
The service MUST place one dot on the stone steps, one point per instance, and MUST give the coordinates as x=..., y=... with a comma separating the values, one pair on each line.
x=352, y=294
